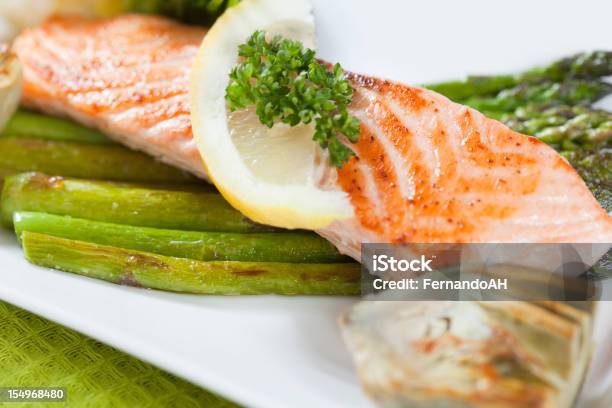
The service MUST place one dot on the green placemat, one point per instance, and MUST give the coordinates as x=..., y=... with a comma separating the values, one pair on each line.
x=35, y=352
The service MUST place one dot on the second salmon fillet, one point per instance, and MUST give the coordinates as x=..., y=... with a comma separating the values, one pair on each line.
x=127, y=76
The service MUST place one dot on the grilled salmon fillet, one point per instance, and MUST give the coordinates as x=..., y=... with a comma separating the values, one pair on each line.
x=431, y=170
x=127, y=76
x=427, y=169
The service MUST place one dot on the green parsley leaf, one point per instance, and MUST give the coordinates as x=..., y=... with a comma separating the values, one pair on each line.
x=287, y=84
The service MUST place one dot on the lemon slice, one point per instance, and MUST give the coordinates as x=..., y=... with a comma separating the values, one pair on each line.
x=276, y=176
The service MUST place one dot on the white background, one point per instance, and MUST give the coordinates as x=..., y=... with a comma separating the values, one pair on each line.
x=280, y=352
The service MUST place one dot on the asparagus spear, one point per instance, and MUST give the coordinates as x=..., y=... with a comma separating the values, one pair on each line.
x=135, y=268
x=291, y=247
x=37, y=126
x=110, y=162
x=589, y=65
x=595, y=168
x=594, y=64
x=545, y=94
x=564, y=127
x=473, y=85
x=184, y=208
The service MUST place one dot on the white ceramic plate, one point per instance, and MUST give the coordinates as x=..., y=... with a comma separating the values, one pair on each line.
x=287, y=352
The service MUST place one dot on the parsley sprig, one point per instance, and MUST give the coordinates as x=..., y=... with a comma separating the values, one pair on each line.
x=287, y=84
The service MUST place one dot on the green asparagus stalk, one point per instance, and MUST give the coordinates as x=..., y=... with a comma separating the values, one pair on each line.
x=564, y=127
x=109, y=162
x=595, y=168
x=532, y=118
x=183, y=208
x=473, y=86
x=591, y=65
x=135, y=268
x=546, y=94
x=587, y=65
x=290, y=247
x=37, y=126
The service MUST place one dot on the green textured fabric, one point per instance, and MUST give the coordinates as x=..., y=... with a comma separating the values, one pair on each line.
x=35, y=352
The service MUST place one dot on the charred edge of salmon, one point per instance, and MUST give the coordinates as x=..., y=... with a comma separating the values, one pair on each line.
x=409, y=96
